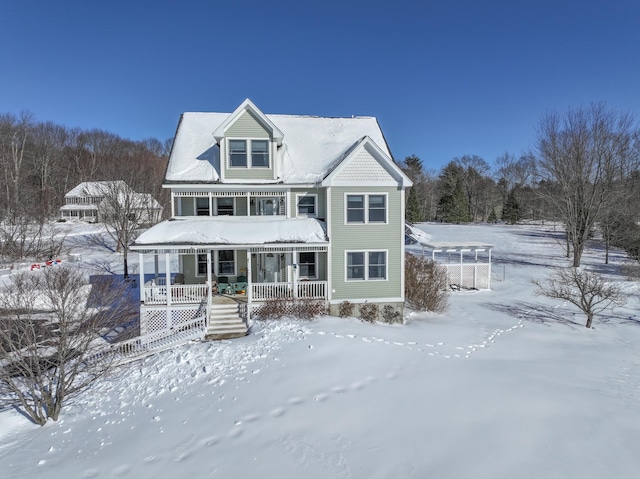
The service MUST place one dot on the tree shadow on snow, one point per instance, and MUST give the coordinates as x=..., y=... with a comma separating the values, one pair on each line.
x=537, y=313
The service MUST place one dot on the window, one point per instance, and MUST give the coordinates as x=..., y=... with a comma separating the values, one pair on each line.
x=202, y=264
x=238, y=153
x=366, y=208
x=260, y=153
x=226, y=262
x=377, y=209
x=369, y=265
x=355, y=208
x=225, y=206
x=239, y=157
x=202, y=206
x=307, y=205
x=355, y=265
x=377, y=265
x=307, y=265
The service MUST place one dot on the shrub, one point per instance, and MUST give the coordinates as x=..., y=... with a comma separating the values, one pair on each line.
x=425, y=284
x=369, y=312
x=272, y=309
x=390, y=315
x=278, y=308
x=346, y=309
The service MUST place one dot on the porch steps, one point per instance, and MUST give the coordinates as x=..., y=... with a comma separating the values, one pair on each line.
x=225, y=322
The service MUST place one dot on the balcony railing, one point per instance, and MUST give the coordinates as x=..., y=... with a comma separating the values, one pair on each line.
x=180, y=293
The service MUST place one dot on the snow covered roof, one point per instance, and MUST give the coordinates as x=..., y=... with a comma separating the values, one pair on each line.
x=93, y=188
x=233, y=230
x=311, y=146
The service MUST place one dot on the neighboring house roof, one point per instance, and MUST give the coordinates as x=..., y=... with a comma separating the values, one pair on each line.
x=311, y=145
x=93, y=188
x=77, y=207
x=234, y=230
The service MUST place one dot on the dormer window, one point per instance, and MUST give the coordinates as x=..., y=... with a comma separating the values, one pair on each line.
x=238, y=153
x=239, y=157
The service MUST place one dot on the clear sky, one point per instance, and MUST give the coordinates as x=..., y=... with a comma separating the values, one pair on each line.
x=444, y=78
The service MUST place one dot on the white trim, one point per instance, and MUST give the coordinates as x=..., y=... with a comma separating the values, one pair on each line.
x=315, y=203
x=366, y=264
x=216, y=263
x=366, y=208
x=248, y=105
x=248, y=143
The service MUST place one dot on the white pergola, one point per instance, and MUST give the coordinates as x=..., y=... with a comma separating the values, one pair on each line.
x=468, y=263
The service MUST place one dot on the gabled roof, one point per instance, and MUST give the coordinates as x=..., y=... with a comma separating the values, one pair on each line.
x=94, y=188
x=385, y=172
x=248, y=106
x=311, y=145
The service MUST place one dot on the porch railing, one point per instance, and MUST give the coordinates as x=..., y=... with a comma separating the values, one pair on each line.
x=305, y=290
x=180, y=293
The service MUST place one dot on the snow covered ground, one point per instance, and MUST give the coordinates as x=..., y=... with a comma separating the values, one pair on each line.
x=503, y=385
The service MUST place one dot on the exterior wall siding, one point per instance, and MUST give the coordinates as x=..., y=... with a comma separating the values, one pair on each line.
x=247, y=126
x=361, y=237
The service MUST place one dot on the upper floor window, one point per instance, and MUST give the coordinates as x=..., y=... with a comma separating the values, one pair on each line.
x=307, y=205
x=202, y=206
x=260, y=153
x=225, y=206
x=238, y=153
x=366, y=208
x=239, y=157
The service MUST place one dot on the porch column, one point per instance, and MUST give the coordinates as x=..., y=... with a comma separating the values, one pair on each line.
x=209, y=284
x=141, y=275
x=173, y=205
x=294, y=267
x=249, y=286
x=167, y=275
x=210, y=204
x=155, y=265
x=489, y=273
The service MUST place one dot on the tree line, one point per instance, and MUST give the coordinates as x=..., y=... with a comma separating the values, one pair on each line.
x=583, y=172
x=40, y=161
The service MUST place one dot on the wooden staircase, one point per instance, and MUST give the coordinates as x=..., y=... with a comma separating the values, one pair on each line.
x=225, y=322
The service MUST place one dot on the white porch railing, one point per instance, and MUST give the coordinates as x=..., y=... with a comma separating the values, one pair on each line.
x=305, y=290
x=180, y=293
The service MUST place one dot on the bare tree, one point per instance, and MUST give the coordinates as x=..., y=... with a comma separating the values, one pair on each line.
x=585, y=289
x=124, y=212
x=51, y=324
x=580, y=156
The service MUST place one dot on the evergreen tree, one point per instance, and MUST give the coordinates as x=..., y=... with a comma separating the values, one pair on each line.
x=412, y=211
x=493, y=218
x=511, y=211
x=453, y=206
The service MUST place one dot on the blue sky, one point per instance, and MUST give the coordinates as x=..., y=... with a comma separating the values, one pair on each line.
x=444, y=78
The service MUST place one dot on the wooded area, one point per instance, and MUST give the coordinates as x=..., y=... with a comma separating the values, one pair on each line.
x=584, y=172
x=41, y=161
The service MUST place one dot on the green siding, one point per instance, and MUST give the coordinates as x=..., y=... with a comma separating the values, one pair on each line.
x=247, y=126
x=248, y=174
x=388, y=237
x=241, y=206
x=187, y=206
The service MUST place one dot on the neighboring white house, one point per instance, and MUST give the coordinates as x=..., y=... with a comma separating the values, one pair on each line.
x=89, y=201
x=275, y=206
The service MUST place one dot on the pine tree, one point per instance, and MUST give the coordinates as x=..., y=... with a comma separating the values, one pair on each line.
x=453, y=206
x=511, y=211
x=412, y=211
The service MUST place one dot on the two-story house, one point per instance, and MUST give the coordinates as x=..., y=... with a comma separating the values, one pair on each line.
x=274, y=206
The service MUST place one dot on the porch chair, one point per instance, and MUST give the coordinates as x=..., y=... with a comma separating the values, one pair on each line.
x=241, y=284
x=223, y=285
